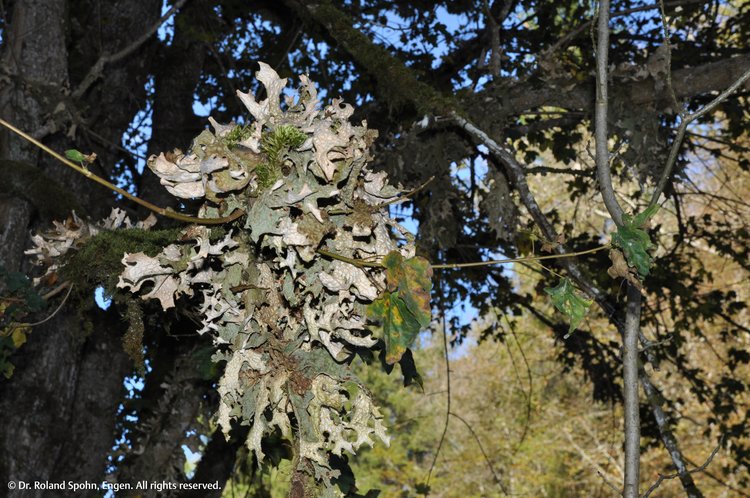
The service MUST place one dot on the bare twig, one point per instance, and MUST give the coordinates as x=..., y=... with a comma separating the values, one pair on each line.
x=630, y=394
x=663, y=477
x=519, y=260
x=362, y=263
x=406, y=195
x=101, y=181
x=548, y=52
x=49, y=295
x=599, y=470
x=48, y=318
x=668, y=439
x=481, y=449
x=96, y=70
x=448, y=393
x=601, y=108
x=528, y=395
x=686, y=119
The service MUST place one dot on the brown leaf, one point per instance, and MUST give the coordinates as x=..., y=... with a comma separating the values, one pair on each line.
x=620, y=268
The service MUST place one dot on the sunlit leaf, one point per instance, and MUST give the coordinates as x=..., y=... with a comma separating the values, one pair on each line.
x=399, y=325
x=634, y=241
x=75, y=155
x=569, y=303
x=19, y=336
x=412, y=278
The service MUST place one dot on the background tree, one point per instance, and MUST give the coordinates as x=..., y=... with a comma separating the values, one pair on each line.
x=429, y=76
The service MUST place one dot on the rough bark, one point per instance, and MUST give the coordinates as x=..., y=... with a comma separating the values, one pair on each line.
x=60, y=406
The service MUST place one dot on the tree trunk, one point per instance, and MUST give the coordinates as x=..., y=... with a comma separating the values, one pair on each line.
x=60, y=406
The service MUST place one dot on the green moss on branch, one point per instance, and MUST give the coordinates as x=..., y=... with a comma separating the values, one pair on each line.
x=99, y=260
x=394, y=79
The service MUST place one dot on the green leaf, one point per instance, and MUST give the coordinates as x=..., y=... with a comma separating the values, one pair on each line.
x=400, y=327
x=640, y=219
x=634, y=241
x=404, y=308
x=412, y=278
x=569, y=303
x=75, y=155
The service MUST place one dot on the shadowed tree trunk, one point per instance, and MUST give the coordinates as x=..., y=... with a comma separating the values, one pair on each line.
x=63, y=398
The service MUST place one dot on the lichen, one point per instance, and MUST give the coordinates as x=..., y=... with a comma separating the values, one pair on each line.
x=285, y=319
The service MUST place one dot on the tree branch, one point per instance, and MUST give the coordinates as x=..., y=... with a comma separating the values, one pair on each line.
x=687, y=82
x=101, y=181
x=663, y=477
x=631, y=414
x=601, y=110
x=685, y=121
x=630, y=394
x=407, y=88
x=96, y=70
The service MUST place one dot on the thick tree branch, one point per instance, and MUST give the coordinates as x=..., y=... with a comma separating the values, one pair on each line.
x=687, y=83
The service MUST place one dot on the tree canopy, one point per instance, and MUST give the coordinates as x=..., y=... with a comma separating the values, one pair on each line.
x=514, y=130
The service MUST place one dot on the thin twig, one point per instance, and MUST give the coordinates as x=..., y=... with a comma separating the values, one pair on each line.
x=448, y=391
x=101, y=181
x=362, y=263
x=405, y=196
x=631, y=331
x=96, y=70
x=663, y=477
x=519, y=260
x=484, y=453
x=359, y=263
x=578, y=30
x=529, y=395
x=59, y=307
x=599, y=470
x=684, y=122
x=401, y=198
x=601, y=109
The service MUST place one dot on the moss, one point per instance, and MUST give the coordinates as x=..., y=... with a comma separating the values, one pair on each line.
x=394, y=80
x=236, y=135
x=280, y=140
x=275, y=145
x=98, y=261
x=132, y=340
